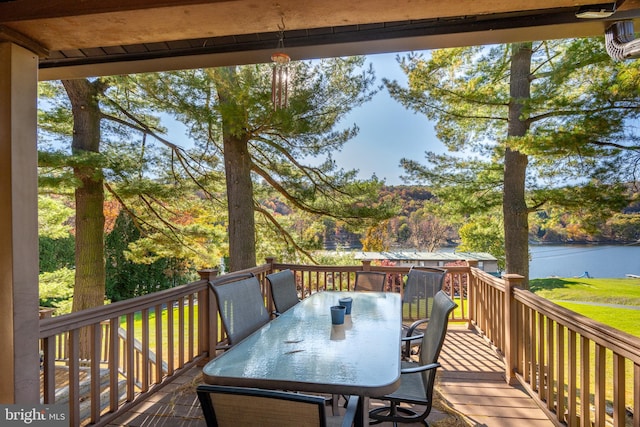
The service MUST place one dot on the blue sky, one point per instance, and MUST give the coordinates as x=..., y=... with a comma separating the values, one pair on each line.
x=388, y=132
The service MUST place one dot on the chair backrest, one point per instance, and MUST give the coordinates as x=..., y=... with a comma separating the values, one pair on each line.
x=241, y=305
x=238, y=406
x=283, y=290
x=434, y=337
x=421, y=287
x=371, y=281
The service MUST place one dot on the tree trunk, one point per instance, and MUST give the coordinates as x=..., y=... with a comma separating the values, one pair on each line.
x=237, y=165
x=516, y=221
x=89, y=287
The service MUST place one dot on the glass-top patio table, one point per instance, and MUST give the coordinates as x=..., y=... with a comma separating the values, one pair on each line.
x=301, y=350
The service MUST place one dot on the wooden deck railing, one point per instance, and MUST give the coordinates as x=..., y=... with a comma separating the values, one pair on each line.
x=581, y=372
x=164, y=333
x=554, y=352
x=313, y=278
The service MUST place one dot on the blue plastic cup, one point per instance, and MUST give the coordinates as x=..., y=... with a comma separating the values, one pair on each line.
x=337, y=314
x=347, y=302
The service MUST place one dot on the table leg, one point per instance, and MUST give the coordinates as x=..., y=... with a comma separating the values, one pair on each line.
x=362, y=414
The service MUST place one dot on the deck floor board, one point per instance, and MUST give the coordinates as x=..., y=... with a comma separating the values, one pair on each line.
x=472, y=382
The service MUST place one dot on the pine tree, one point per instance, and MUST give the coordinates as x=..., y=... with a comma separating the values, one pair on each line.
x=228, y=112
x=531, y=125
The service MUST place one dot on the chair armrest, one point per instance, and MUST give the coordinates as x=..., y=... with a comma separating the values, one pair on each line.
x=415, y=324
x=352, y=409
x=420, y=368
x=412, y=337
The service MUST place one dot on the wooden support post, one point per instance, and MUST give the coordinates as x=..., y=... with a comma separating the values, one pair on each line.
x=19, y=318
x=510, y=327
x=472, y=292
x=211, y=340
x=270, y=260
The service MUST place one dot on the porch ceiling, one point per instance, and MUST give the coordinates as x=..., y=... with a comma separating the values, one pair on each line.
x=84, y=38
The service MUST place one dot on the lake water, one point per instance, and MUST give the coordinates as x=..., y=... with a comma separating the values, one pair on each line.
x=575, y=260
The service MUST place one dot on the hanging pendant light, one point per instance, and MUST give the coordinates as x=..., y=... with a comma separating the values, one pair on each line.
x=280, y=76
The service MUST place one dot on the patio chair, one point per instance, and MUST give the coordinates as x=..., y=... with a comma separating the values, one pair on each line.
x=224, y=406
x=417, y=301
x=417, y=379
x=283, y=290
x=241, y=305
x=370, y=281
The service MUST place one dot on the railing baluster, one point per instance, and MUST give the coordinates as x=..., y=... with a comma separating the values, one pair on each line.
x=560, y=355
x=636, y=395
x=159, y=338
x=541, y=364
x=170, y=332
x=499, y=307
x=144, y=387
x=131, y=362
x=572, y=419
x=511, y=325
x=549, y=372
x=585, y=386
x=191, y=334
x=522, y=340
x=181, y=326
x=526, y=369
x=74, y=377
x=114, y=362
x=491, y=325
x=533, y=362
x=96, y=338
x=619, y=410
x=600, y=385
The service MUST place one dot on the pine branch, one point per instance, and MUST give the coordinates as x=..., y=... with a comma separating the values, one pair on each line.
x=278, y=187
x=288, y=238
x=317, y=178
x=140, y=222
x=181, y=154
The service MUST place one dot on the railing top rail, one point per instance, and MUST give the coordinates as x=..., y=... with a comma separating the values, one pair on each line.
x=318, y=268
x=620, y=342
x=55, y=325
x=487, y=278
x=394, y=269
x=263, y=268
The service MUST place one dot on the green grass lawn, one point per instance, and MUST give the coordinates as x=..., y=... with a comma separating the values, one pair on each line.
x=608, y=291
x=624, y=319
x=570, y=293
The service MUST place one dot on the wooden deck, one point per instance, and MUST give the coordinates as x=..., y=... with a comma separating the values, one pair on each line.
x=471, y=384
